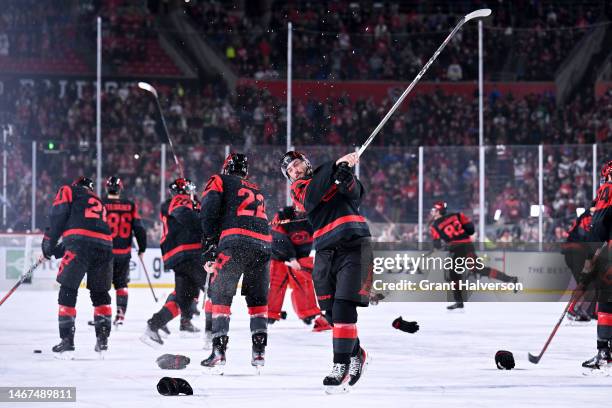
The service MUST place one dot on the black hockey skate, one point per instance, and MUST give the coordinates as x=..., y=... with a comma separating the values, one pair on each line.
x=578, y=315
x=602, y=361
x=102, y=341
x=164, y=331
x=216, y=361
x=338, y=380
x=358, y=366
x=119, y=318
x=64, y=349
x=188, y=328
x=151, y=336
x=455, y=306
x=258, y=355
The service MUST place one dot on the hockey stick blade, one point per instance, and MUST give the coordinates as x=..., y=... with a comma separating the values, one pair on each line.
x=533, y=359
x=478, y=14
x=147, y=87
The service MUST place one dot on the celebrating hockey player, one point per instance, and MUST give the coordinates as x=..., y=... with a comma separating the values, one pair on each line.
x=79, y=218
x=330, y=196
x=601, y=273
x=236, y=242
x=291, y=265
x=124, y=222
x=456, y=229
x=181, y=247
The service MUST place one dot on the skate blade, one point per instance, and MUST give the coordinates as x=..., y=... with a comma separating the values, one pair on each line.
x=601, y=372
x=66, y=355
x=189, y=335
x=150, y=342
x=163, y=334
x=258, y=369
x=101, y=354
x=337, y=389
x=216, y=370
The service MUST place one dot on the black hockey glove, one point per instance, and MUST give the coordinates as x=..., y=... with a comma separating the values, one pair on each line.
x=59, y=250
x=343, y=175
x=209, y=251
x=287, y=213
x=408, y=327
x=48, y=248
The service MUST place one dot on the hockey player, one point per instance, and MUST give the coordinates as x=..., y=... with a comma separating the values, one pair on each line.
x=601, y=273
x=291, y=265
x=181, y=247
x=330, y=196
x=79, y=218
x=456, y=229
x=577, y=250
x=124, y=222
x=236, y=237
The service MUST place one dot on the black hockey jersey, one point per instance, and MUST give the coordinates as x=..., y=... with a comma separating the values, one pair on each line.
x=78, y=216
x=454, y=228
x=580, y=230
x=333, y=211
x=181, y=235
x=234, y=213
x=292, y=239
x=124, y=221
x=601, y=223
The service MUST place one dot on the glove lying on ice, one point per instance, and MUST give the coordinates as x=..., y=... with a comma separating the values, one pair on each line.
x=172, y=362
x=408, y=327
x=174, y=386
x=504, y=360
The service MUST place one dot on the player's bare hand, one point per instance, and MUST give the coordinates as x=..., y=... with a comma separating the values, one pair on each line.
x=294, y=264
x=352, y=159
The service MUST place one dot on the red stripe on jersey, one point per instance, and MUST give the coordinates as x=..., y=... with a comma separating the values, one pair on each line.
x=342, y=220
x=255, y=310
x=181, y=248
x=460, y=241
x=103, y=310
x=87, y=233
x=345, y=331
x=604, y=319
x=208, y=306
x=123, y=251
x=214, y=184
x=246, y=232
x=66, y=311
x=221, y=309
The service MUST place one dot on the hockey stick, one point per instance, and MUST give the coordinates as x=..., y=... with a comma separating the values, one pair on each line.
x=144, y=268
x=281, y=222
x=536, y=359
x=149, y=88
x=23, y=278
x=464, y=19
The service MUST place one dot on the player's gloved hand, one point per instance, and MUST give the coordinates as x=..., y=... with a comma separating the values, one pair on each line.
x=408, y=327
x=47, y=248
x=287, y=213
x=294, y=264
x=209, y=251
x=343, y=174
x=59, y=250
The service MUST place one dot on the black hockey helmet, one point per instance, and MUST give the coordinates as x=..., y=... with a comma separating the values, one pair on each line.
x=289, y=157
x=236, y=164
x=84, y=182
x=440, y=206
x=182, y=186
x=114, y=185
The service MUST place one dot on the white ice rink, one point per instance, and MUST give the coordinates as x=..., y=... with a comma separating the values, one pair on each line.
x=449, y=362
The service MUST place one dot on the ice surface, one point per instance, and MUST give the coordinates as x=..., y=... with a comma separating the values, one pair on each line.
x=449, y=362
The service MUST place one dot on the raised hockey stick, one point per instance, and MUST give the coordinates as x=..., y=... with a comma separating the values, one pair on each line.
x=149, y=88
x=474, y=14
x=144, y=268
x=23, y=278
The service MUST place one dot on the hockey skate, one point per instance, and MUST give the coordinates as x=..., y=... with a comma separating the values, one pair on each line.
x=151, y=337
x=578, y=315
x=101, y=342
x=215, y=363
x=164, y=332
x=258, y=355
x=358, y=366
x=187, y=329
x=321, y=324
x=455, y=306
x=119, y=319
x=338, y=380
x=601, y=364
x=64, y=350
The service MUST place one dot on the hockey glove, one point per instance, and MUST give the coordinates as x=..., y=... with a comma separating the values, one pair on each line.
x=287, y=213
x=48, y=248
x=408, y=327
x=343, y=176
x=59, y=250
x=504, y=360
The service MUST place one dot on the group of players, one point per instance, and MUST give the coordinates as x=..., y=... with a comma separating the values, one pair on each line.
x=211, y=243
